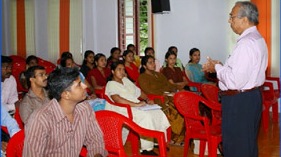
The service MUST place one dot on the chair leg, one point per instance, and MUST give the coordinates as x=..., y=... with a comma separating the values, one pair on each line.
x=202, y=148
x=186, y=145
x=265, y=119
x=275, y=112
x=134, y=138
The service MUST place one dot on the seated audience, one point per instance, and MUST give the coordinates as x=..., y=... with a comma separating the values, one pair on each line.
x=64, y=125
x=88, y=62
x=178, y=61
x=121, y=90
x=12, y=127
x=174, y=74
x=37, y=96
x=30, y=61
x=150, y=51
x=131, y=69
x=69, y=62
x=9, y=94
x=98, y=76
x=152, y=82
x=193, y=69
x=115, y=53
x=136, y=59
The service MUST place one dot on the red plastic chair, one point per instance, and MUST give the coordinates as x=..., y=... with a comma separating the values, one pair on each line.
x=197, y=126
x=269, y=99
x=277, y=81
x=100, y=93
x=111, y=123
x=192, y=84
x=130, y=116
x=211, y=93
x=49, y=66
x=15, y=145
x=19, y=66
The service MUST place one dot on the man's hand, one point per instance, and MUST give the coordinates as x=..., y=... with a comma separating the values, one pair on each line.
x=209, y=66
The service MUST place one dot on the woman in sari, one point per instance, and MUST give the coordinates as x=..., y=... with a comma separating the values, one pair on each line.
x=152, y=82
x=121, y=90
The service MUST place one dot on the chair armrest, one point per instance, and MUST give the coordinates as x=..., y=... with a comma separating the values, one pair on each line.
x=100, y=93
x=195, y=84
x=277, y=79
x=268, y=93
x=160, y=136
x=154, y=97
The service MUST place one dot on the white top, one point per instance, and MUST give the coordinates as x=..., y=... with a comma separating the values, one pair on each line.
x=245, y=67
x=9, y=93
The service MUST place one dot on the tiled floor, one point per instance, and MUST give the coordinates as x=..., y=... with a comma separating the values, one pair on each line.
x=269, y=144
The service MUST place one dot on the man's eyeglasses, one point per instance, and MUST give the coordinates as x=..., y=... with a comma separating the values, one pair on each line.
x=42, y=75
x=233, y=17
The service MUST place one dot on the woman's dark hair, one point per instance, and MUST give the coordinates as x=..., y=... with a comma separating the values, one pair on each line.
x=97, y=57
x=126, y=52
x=147, y=49
x=30, y=72
x=112, y=51
x=172, y=47
x=144, y=61
x=60, y=80
x=113, y=67
x=30, y=58
x=64, y=59
x=130, y=45
x=86, y=54
x=191, y=53
x=169, y=53
x=66, y=54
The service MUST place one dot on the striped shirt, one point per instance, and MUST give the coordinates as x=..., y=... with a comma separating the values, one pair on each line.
x=49, y=133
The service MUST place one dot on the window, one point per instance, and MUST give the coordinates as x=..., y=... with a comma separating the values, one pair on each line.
x=133, y=24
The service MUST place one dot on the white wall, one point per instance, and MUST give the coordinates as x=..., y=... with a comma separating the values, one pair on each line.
x=193, y=23
x=106, y=26
x=275, y=38
x=41, y=30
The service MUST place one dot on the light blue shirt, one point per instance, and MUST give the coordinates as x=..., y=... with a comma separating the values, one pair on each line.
x=8, y=121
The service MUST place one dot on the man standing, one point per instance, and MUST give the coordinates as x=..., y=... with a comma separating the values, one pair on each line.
x=64, y=125
x=9, y=86
x=239, y=81
x=36, y=79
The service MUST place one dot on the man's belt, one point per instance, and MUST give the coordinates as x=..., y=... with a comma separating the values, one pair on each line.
x=234, y=92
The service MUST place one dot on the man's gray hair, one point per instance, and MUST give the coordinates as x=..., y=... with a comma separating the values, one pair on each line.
x=249, y=10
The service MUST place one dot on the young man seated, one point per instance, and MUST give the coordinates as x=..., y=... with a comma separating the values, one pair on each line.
x=64, y=125
x=9, y=94
x=36, y=79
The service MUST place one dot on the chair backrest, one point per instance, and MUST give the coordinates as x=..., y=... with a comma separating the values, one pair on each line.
x=111, y=123
x=49, y=66
x=15, y=145
x=19, y=66
x=128, y=107
x=187, y=103
x=210, y=92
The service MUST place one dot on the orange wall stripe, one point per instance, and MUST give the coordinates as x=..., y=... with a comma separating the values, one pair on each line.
x=64, y=25
x=264, y=27
x=21, y=41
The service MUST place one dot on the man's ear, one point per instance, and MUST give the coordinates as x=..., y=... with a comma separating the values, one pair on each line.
x=65, y=95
